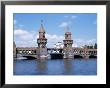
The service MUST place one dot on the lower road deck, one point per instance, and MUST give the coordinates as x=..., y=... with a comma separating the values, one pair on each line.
x=56, y=53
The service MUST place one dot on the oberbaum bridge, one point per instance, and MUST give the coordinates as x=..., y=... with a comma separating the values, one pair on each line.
x=42, y=52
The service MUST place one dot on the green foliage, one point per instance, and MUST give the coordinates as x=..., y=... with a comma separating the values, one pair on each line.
x=95, y=46
x=90, y=46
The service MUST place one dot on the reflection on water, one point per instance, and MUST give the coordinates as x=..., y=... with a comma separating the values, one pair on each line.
x=41, y=67
x=56, y=67
x=67, y=66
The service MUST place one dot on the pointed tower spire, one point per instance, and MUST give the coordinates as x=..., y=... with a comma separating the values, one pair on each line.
x=42, y=30
x=41, y=21
x=66, y=29
x=67, y=33
x=42, y=24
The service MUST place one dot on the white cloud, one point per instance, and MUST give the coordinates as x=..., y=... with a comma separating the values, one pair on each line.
x=63, y=24
x=82, y=42
x=74, y=45
x=20, y=32
x=53, y=39
x=24, y=38
x=68, y=22
x=24, y=35
x=92, y=41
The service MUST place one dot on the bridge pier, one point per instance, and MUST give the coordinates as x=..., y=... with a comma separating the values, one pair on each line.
x=68, y=53
x=86, y=56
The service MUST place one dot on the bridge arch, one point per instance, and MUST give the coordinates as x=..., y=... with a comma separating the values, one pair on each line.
x=30, y=57
x=78, y=56
x=56, y=56
x=92, y=56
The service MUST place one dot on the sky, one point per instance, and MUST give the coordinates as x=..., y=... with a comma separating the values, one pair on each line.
x=83, y=27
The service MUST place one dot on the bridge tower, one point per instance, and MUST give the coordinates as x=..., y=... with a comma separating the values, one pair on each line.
x=14, y=50
x=42, y=41
x=68, y=52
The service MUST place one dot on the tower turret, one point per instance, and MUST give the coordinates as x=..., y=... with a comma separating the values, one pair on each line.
x=68, y=40
x=68, y=45
x=42, y=41
x=42, y=30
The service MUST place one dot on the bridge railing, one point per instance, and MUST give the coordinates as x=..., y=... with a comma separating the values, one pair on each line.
x=76, y=51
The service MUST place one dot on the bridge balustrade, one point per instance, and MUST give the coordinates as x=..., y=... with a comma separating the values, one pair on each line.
x=75, y=51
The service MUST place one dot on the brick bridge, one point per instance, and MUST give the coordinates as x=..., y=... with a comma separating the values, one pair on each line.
x=32, y=52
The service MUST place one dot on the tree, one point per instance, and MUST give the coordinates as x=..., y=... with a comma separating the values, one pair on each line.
x=95, y=46
x=91, y=47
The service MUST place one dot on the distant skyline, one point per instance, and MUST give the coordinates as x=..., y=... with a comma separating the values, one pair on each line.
x=83, y=27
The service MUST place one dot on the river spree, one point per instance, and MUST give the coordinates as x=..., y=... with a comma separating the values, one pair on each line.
x=56, y=67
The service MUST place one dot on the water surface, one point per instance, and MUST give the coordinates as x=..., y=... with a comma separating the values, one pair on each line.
x=56, y=67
